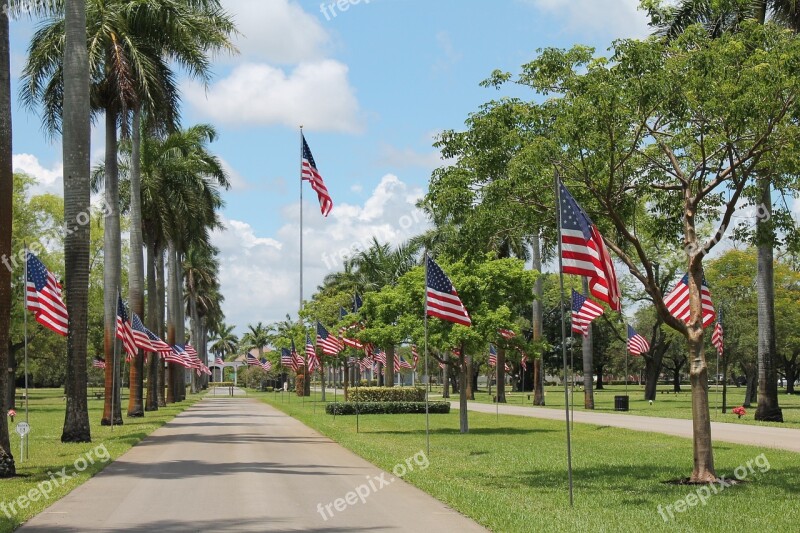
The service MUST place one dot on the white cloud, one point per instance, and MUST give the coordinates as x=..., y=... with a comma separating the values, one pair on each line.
x=259, y=275
x=49, y=179
x=276, y=31
x=316, y=95
x=237, y=181
x=408, y=157
x=617, y=18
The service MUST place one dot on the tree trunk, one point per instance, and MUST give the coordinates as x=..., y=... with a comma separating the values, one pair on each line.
x=724, y=385
x=111, y=275
x=194, y=324
x=470, y=391
x=599, y=374
x=322, y=378
x=790, y=368
x=161, y=297
x=76, y=152
x=501, y=374
x=346, y=380
x=152, y=325
x=768, y=408
x=463, y=414
x=587, y=347
x=7, y=467
x=652, y=370
x=751, y=390
x=537, y=320
x=136, y=269
x=388, y=380
x=676, y=378
x=703, y=471
x=446, y=380
x=172, y=320
x=180, y=327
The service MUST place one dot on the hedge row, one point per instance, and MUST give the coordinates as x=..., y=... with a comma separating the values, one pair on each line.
x=221, y=384
x=386, y=408
x=384, y=394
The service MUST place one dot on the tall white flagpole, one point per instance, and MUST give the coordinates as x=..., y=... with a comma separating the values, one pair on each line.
x=563, y=334
x=427, y=373
x=301, y=221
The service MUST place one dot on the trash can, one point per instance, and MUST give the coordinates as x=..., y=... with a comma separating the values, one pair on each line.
x=620, y=403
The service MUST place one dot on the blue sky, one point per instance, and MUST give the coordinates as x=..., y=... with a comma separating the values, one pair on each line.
x=372, y=86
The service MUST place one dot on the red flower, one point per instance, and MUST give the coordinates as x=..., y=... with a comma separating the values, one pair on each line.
x=12, y=412
x=739, y=411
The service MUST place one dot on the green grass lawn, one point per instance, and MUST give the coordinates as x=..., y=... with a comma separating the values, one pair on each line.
x=510, y=475
x=48, y=456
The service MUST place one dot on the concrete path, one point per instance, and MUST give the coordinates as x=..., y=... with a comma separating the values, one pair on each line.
x=237, y=464
x=769, y=437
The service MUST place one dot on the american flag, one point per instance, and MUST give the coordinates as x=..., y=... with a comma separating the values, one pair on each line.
x=379, y=356
x=637, y=344
x=158, y=345
x=492, y=355
x=191, y=350
x=298, y=359
x=716, y=338
x=442, y=300
x=506, y=333
x=405, y=364
x=218, y=361
x=584, y=253
x=415, y=354
x=140, y=337
x=310, y=173
x=252, y=360
x=266, y=365
x=329, y=343
x=507, y=367
x=311, y=355
x=178, y=355
x=523, y=362
x=583, y=312
x=441, y=365
x=357, y=303
x=677, y=302
x=44, y=297
x=287, y=359
x=98, y=362
x=352, y=343
x=124, y=332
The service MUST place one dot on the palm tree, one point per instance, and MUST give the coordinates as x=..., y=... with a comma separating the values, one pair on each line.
x=256, y=337
x=76, y=139
x=672, y=21
x=200, y=270
x=224, y=342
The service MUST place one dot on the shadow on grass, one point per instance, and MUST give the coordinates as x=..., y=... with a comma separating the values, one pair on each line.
x=456, y=431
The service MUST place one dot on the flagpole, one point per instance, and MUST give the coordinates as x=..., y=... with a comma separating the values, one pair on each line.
x=717, y=377
x=114, y=365
x=563, y=333
x=572, y=364
x=301, y=218
x=427, y=372
x=25, y=334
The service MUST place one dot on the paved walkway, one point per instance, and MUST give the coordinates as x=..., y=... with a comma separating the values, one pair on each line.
x=236, y=464
x=769, y=437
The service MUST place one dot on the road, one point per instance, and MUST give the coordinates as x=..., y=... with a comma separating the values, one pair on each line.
x=236, y=464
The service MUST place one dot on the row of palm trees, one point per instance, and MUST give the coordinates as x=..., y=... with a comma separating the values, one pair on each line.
x=117, y=57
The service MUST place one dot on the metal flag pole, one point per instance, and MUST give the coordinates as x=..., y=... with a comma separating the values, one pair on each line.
x=497, y=390
x=563, y=333
x=572, y=364
x=25, y=334
x=301, y=219
x=717, y=380
x=427, y=373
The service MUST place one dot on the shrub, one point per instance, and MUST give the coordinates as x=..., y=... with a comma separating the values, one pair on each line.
x=386, y=408
x=368, y=383
x=383, y=394
x=269, y=389
x=221, y=384
x=299, y=381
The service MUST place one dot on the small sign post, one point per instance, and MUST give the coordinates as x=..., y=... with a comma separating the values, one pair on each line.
x=22, y=429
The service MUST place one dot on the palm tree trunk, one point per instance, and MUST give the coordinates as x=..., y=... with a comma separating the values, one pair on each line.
x=538, y=319
x=161, y=297
x=7, y=467
x=111, y=273
x=76, y=141
x=172, y=320
x=194, y=324
x=768, y=408
x=470, y=390
x=176, y=304
x=152, y=325
x=136, y=268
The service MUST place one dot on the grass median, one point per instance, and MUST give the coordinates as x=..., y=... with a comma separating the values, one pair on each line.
x=52, y=469
x=510, y=474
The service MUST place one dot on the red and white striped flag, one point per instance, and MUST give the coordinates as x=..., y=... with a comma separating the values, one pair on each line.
x=442, y=300
x=310, y=173
x=492, y=355
x=677, y=302
x=124, y=331
x=415, y=354
x=311, y=355
x=43, y=297
x=329, y=343
x=506, y=333
x=583, y=312
x=98, y=362
x=584, y=252
x=637, y=344
x=140, y=337
x=716, y=338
